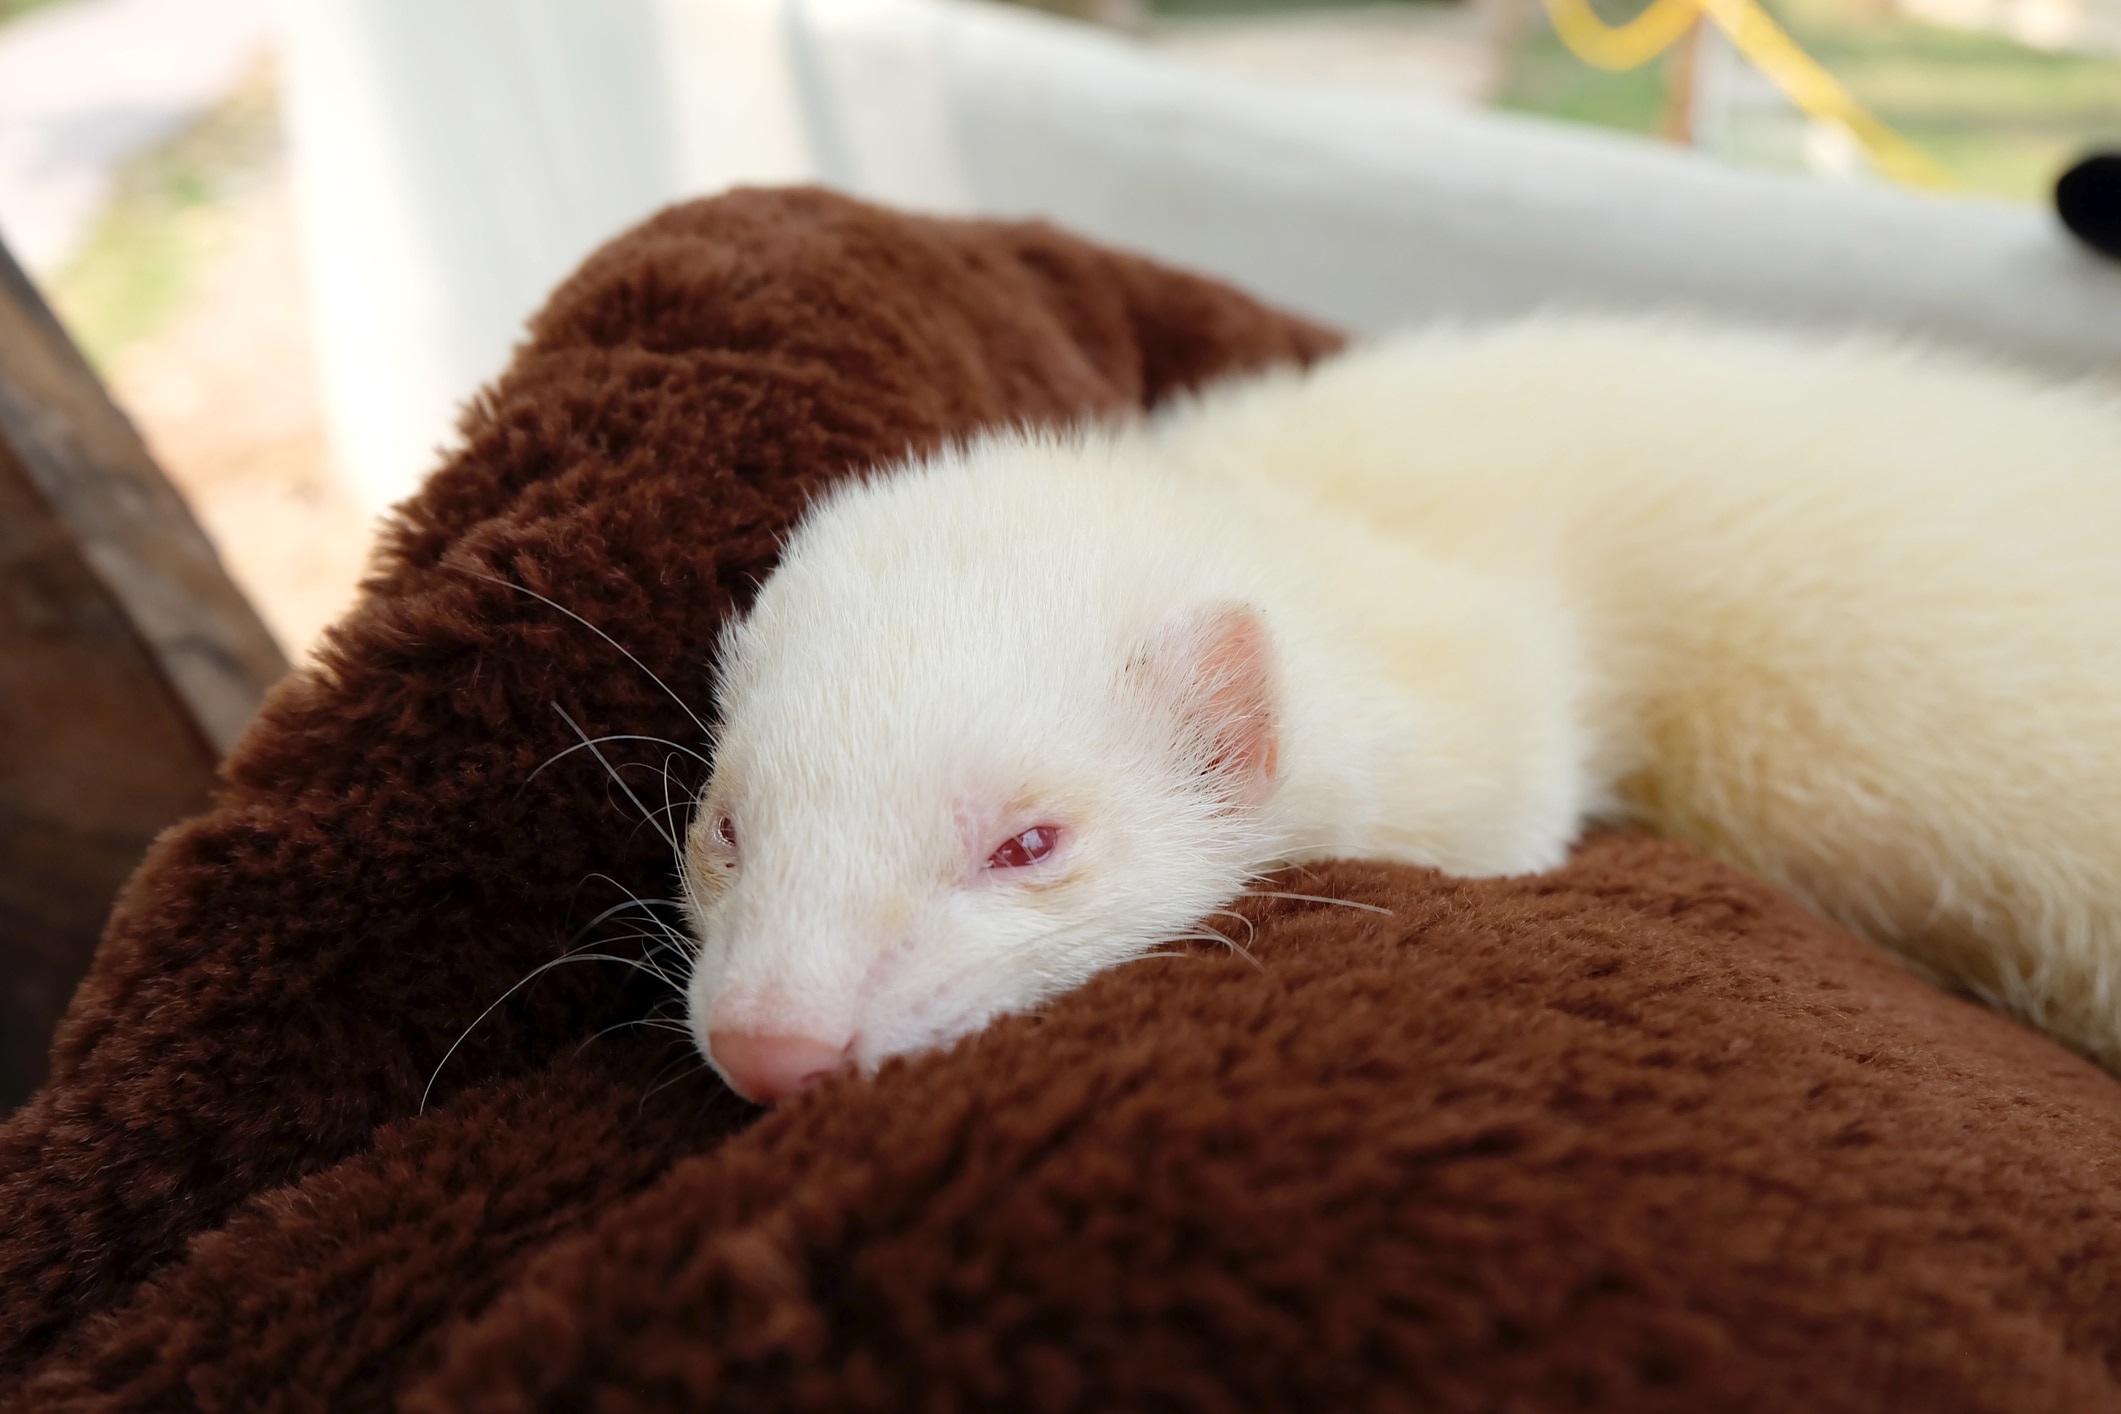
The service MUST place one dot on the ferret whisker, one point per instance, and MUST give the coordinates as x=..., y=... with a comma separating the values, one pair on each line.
x=620, y=780
x=705, y=731
x=671, y=807
x=664, y=939
x=648, y=822
x=660, y=933
x=684, y=1072
x=684, y=797
x=641, y=1023
x=631, y=896
x=618, y=908
x=589, y=1041
x=1317, y=898
x=579, y=948
x=647, y=907
x=662, y=819
x=565, y=752
x=665, y=812
x=677, y=943
x=1211, y=936
x=1250, y=930
x=540, y=970
x=647, y=960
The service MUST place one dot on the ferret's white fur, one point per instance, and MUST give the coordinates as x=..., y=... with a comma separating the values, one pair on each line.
x=1846, y=614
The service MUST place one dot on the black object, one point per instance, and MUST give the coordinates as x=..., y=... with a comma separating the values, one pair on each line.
x=2088, y=198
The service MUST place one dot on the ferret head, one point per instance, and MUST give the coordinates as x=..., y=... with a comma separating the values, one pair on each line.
x=967, y=758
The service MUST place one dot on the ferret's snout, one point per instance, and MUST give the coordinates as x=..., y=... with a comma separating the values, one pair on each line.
x=769, y=1069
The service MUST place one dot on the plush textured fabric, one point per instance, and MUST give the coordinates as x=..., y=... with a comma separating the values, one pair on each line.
x=1637, y=1135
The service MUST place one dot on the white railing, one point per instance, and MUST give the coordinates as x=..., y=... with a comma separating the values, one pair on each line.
x=457, y=157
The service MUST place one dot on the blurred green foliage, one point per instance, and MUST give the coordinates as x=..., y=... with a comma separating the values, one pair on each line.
x=166, y=218
x=15, y=9
x=2006, y=119
x=1545, y=78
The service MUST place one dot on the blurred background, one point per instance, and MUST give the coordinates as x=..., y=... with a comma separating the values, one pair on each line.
x=149, y=183
x=144, y=186
x=292, y=239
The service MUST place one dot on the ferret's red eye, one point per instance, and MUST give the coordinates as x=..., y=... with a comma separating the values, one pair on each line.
x=725, y=831
x=1029, y=847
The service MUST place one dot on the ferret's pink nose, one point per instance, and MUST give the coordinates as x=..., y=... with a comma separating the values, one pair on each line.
x=769, y=1069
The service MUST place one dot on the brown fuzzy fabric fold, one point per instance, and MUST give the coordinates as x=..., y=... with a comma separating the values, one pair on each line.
x=1637, y=1135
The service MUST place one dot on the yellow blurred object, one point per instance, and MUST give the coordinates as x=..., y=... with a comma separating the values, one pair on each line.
x=1773, y=52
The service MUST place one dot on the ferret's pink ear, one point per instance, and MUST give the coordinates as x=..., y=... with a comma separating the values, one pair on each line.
x=1215, y=666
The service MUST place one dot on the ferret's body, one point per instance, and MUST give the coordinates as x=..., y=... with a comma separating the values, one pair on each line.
x=1847, y=616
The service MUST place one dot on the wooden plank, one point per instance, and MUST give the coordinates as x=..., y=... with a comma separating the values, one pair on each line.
x=128, y=664
x=133, y=528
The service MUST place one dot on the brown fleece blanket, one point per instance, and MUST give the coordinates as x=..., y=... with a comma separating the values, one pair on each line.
x=1637, y=1135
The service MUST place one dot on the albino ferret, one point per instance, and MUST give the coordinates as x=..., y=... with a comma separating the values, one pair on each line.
x=1845, y=614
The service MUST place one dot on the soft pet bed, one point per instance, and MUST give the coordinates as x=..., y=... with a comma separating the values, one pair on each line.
x=1636, y=1135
